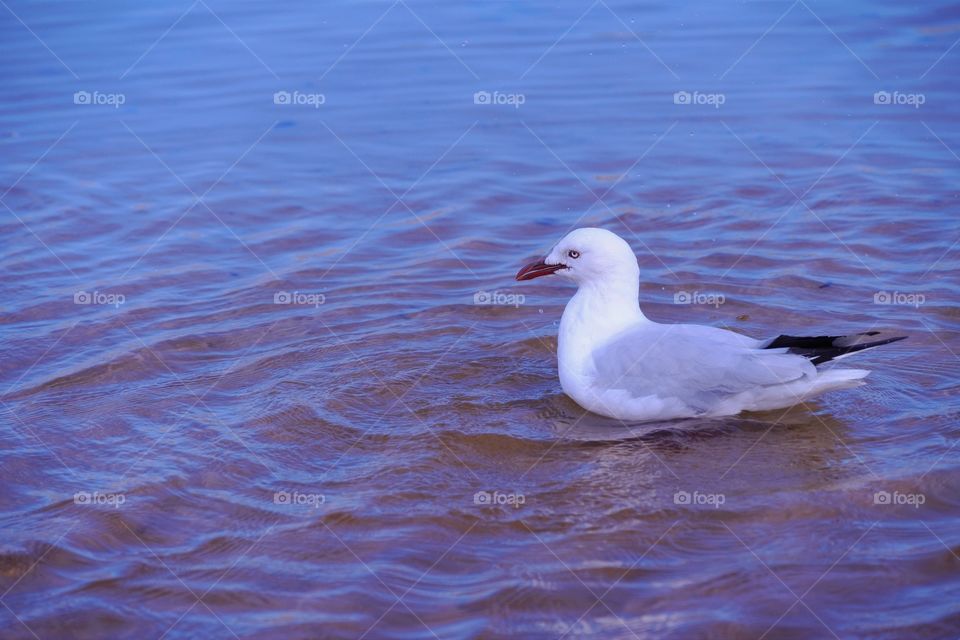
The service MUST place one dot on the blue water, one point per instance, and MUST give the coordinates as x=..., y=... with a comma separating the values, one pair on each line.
x=247, y=389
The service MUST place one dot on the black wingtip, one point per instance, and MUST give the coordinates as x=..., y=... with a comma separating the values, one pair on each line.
x=822, y=349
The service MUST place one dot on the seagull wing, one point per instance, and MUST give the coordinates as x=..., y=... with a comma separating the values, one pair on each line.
x=697, y=365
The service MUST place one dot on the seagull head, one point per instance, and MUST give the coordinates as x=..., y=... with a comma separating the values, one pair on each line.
x=588, y=256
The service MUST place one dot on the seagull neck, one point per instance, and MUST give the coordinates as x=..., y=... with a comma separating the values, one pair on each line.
x=609, y=307
x=621, y=295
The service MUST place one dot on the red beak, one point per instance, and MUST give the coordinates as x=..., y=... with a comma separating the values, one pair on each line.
x=537, y=269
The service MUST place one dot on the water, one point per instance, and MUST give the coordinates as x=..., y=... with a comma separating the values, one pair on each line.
x=275, y=415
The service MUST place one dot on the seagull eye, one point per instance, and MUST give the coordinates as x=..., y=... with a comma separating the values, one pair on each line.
x=573, y=254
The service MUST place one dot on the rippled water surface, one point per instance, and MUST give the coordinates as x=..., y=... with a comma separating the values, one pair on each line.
x=253, y=384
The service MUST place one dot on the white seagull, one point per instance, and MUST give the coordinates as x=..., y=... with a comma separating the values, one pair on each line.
x=615, y=361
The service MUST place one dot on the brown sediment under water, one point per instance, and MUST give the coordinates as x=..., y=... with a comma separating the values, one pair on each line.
x=265, y=372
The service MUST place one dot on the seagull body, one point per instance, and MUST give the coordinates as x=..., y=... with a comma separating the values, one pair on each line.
x=615, y=361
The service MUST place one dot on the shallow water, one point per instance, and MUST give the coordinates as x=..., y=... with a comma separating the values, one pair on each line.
x=274, y=415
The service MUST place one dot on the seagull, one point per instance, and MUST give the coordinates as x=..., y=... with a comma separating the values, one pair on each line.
x=616, y=362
